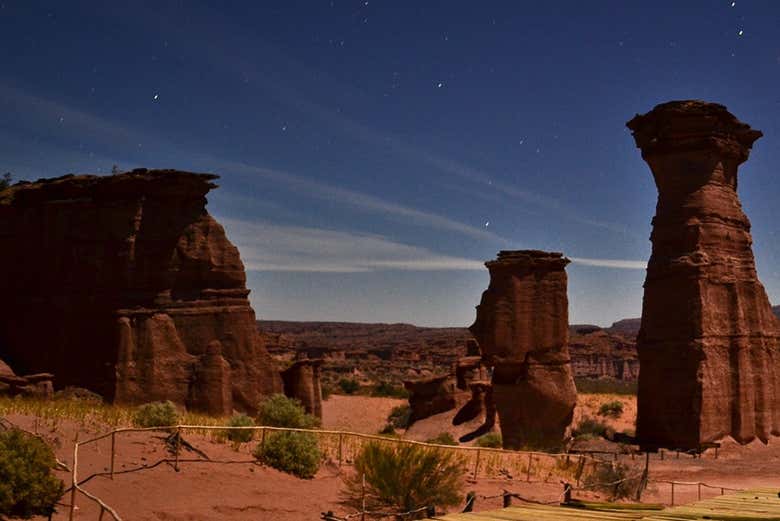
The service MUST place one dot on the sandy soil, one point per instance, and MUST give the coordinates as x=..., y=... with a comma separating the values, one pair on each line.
x=363, y=414
x=246, y=490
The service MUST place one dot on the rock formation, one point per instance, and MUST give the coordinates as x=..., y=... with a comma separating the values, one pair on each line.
x=708, y=344
x=127, y=286
x=34, y=385
x=522, y=330
x=431, y=396
x=302, y=381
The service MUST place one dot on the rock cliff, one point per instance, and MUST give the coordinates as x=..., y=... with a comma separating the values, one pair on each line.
x=708, y=343
x=127, y=286
x=522, y=331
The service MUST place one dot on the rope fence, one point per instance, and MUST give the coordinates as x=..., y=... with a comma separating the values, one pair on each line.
x=342, y=447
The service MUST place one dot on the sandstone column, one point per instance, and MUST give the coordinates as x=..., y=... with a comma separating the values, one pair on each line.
x=302, y=381
x=708, y=345
x=522, y=330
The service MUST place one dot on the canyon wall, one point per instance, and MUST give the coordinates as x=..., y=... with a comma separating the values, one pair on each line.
x=125, y=285
x=708, y=343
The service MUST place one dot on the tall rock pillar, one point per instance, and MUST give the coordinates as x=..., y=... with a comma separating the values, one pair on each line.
x=522, y=329
x=708, y=345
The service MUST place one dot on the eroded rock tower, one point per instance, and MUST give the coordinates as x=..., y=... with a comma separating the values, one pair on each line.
x=708, y=345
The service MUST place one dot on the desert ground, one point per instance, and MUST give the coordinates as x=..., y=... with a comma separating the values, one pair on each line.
x=246, y=490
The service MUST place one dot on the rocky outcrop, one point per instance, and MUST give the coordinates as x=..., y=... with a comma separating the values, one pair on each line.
x=431, y=396
x=302, y=382
x=123, y=284
x=708, y=344
x=34, y=385
x=522, y=330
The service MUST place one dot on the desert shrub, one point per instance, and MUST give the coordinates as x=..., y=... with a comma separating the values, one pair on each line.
x=349, y=385
x=490, y=440
x=612, y=409
x=406, y=477
x=588, y=429
x=605, y=386
x=327, y=390
x=399, y=416
x=296, y=453
x=614, y=479
x=386, y=389
x=281, y=411
x=243, y=435
x=156, y=414
x=388, y=430
x=443, y=438
x=27, y=487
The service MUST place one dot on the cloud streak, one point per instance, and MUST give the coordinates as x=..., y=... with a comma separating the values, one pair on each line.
x=266, y=246
x=611, y=263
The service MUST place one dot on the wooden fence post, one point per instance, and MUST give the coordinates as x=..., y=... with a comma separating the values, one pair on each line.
x=699, y=491
x=507, y=499
x=363, y=517
x=178, y=447
x=113, y=447
x=341, y=443
x=73, y=478
x=476, y=464
x=672, y=493
x=528, y=470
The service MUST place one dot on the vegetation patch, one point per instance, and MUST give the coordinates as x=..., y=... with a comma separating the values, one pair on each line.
x=349, y=385
x=443, y=438
x=296, y=453
x=589, y=429
x=490, y=440
x=405, y=477
x=282, y=411
x=27, y=487
x=240, y=435
x=386, y=389
x=156, y=414
x=613, y=409
x=399, y=416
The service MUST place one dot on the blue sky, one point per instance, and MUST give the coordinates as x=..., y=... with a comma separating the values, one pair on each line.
x=374, y=154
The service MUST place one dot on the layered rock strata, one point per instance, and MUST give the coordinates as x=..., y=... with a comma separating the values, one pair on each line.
x=127, y=286
x=522, y=330
x=708, y=343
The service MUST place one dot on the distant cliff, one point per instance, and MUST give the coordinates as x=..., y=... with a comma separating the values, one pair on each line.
x=397, y=352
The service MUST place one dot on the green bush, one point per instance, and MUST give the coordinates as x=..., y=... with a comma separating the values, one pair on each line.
x=490, y=440
x=27, y=487
x=242, y=435
x=281, y=411
x=612, y=409
x=589, y=429
x=156, y=414
x=296, y=453
x=443, y=438
x=406, y=477
x=326, y=390
x=399, y=416
x=614, y=479
x=349, y=385
x=388, y=430
x=386, y=389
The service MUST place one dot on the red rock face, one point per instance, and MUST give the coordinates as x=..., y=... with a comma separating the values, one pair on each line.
x=120, y=283
x=708, y=344
x=522, y=330
x=302, y=381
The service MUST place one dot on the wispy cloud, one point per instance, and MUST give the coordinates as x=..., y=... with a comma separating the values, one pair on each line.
x=266, y=246
x=611, y=263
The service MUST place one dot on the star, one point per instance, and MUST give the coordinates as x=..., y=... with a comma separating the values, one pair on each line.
x=487, y=223
x=740, y=33
x=439, y=85
x=156, y=96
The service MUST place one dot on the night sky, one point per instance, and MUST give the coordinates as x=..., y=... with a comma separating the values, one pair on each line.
x=374, y=154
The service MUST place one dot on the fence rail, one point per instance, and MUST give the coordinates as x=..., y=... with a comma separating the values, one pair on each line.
x=342, y=447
